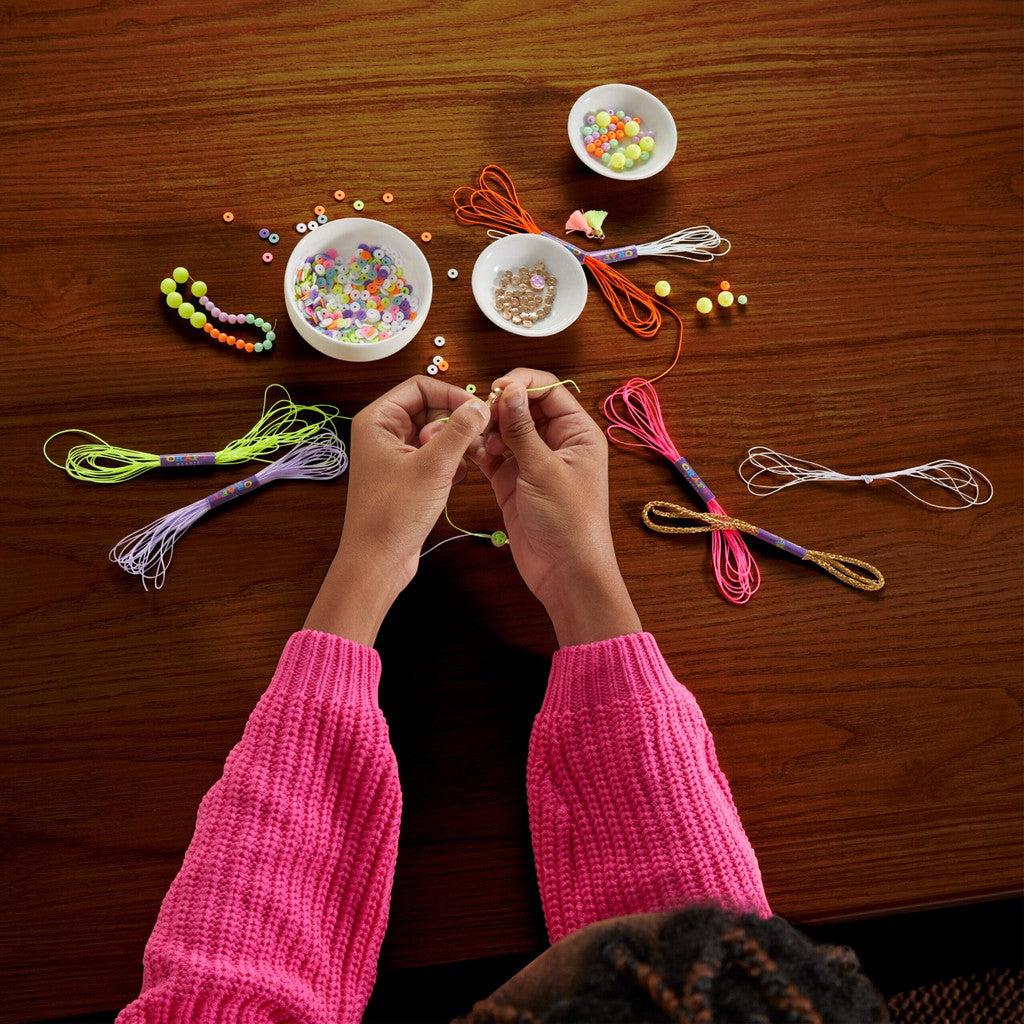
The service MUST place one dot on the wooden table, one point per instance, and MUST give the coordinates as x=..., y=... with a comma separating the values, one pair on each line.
x=865, y=162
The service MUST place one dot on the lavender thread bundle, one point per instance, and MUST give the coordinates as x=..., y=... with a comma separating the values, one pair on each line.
x=147, y=552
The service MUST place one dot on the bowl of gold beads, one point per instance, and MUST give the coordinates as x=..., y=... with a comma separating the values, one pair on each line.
x=529, y=285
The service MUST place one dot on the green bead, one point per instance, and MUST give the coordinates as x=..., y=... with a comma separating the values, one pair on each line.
x=258, y=347
x=249, y=318
x=185, y=310
x=606, y=158
x=267, y=345
x=271, y=336
x=358, y=205
x=197, y=319
x=167, y=286
x=180, y=274
x=174, y=300
x=499, y=538
x=258, y=322
x=198, y=289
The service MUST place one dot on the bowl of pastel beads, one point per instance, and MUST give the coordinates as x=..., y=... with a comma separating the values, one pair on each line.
x=357, y=289
x=622, y=131
x=529, y=284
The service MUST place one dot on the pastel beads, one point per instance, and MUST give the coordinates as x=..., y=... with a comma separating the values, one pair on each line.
x=359, y=299
x=662, y=288
x=617, y=139
x=725, y=299
x=704, y=305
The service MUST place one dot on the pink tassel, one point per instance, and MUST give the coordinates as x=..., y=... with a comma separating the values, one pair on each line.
x=577, y=222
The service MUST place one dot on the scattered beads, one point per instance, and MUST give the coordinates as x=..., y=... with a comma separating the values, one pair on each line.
x=268, y=257
x=361, y=300
x=437, y=360
x=453, y=273
x=274, y=238
x=443, y=366
x=439, y=341
x=339, y=195
x=358, y=204
x=432, y=370
x=228, y=216
x=319, y=210
x=662, y=288
x=471, y=389
x=301, y=227
x=388, y=197
x=264, y=232
x=724, y=286
x=322, y=218
x=725, y=299
x=616, y=139
x=704, y=305
x=311, y=224
x=741, y=300
x=525, y=295
x=425, y=236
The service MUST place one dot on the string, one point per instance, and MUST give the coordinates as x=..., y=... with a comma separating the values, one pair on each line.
x=281, y=424
x=633, y=410
x=494, y=204
x=658, y=515
x=147, y=552
x=969, y=487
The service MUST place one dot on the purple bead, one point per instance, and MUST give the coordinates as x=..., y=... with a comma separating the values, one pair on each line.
x=590, y=119
x=232, y=318
x=222, y=317
x=203, y=300
x=214, y=311
x=605, y=147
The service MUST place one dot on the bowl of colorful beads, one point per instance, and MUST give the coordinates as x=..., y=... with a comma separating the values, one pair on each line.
x=622, y=131
x=529, y=284
x=357, y=289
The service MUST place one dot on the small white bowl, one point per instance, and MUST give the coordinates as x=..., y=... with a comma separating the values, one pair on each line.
x=515, y=251
x=345, y=234
x=653, y=114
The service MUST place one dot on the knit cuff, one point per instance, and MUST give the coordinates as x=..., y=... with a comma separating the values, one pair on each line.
x=315, y=664
x=610, y=671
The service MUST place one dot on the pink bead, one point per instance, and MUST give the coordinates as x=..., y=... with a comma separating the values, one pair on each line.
x=222, y=317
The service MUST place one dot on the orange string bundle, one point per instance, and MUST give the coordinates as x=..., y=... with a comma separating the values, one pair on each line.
x=495, y=204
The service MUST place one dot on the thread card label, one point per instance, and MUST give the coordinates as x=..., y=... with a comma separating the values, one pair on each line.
x=232, y=491
x=628, y=252
x=689, y=474
x=188, y=459
x=574, y=249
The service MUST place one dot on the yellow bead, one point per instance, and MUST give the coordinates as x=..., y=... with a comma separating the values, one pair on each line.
x=631, y=129
x=662, y=288
x=174, y=300
x=633, y=151
x=704, y=305
x=180, y=274
x=602, y=119
x=617, y=160
x=647, y=143
x=725, y=298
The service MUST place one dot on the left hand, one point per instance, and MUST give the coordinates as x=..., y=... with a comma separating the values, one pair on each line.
x=400, y=475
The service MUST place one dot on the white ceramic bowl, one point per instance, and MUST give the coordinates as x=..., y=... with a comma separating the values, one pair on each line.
x=652, y=113
x=515, y=251
x=345, y=235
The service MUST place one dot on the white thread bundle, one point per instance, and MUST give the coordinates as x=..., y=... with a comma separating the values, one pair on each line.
x=700, y=244
x=148, y=551
x=968, y=486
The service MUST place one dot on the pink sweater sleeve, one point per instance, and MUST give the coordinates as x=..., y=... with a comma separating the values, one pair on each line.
x=628, y=808
x=279, y=909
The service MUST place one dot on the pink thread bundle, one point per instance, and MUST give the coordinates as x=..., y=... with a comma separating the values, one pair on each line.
x=634, y=409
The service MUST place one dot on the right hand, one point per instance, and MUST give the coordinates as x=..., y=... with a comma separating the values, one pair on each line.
x=548, y=465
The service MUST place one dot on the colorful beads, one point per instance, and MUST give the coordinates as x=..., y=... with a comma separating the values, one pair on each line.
x=180, y=275
x=359, y=300
x=357, y=205
x=662, y=288
x=725, y=299
x=202, y=321
x=264, y=232
x=273, y=238
x=267, y=257
x=227, y=216
x=704, y=305
x=616, y=139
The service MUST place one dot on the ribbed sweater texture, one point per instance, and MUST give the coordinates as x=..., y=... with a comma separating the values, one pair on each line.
x=280, y=906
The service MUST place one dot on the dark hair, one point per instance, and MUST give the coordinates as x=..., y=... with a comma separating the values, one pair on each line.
x=708, y=966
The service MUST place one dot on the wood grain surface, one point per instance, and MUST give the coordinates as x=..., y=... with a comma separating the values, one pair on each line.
x=864, y=159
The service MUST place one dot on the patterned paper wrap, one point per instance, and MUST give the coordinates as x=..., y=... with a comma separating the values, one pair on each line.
x=777, y=541
x=689, y=474
x=232, y=491
x=189, y=459
x=628, y=252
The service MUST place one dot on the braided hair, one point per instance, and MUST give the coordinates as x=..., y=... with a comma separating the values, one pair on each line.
x=708, y=966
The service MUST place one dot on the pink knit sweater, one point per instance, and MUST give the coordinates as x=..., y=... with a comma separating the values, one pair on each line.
x=281, y=903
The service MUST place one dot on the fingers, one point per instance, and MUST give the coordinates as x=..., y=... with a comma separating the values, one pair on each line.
x=418, y=398
x=447, y=443
x=562, y=421
x=553, y=401
x=518, y=430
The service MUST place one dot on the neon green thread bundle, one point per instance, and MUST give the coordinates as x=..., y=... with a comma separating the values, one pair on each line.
x=282, y=424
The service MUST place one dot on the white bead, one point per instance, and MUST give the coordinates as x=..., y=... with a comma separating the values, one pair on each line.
x=439, y=341
x=432, y=370
x=438, y=360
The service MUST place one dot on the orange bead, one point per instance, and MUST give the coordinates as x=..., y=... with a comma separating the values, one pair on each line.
x=248, y=346
x=215, y=334
x=207, y=327
x=238, y=344
x=590, y=147
x=319, y=210
x=232, y=339
x=723, y=285
x=620, y=135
